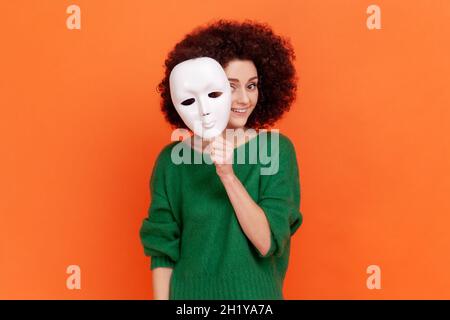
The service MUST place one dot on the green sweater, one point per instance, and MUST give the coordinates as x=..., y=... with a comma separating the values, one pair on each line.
x=192, y=228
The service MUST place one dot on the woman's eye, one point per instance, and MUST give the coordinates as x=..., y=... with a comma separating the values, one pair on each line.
x=252, y=86
x=215, y=94
x=188, y=102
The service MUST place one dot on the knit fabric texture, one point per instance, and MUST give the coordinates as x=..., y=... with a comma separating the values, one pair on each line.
x=192, y=227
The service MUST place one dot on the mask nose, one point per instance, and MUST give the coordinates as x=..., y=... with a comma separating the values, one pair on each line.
x=204, y=107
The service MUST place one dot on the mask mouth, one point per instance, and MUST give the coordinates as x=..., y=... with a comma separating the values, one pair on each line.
x=209, y=124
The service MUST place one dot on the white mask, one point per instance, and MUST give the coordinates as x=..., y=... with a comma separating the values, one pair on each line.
x=201, y=94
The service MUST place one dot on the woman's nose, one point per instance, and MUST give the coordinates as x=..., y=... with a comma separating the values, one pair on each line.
x=243, y=97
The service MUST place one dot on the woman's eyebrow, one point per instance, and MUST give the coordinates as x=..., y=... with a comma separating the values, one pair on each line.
x=237, y=80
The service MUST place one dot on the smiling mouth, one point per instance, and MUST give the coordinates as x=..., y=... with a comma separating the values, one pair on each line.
x=239, y=111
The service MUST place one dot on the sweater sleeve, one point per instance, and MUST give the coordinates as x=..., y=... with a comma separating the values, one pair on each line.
x=160, y=232
x=280, y=198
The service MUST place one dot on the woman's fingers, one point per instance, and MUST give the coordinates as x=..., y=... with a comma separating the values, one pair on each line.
x=221, y=151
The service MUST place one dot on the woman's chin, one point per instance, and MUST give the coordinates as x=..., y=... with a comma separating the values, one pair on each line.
x=236, y=123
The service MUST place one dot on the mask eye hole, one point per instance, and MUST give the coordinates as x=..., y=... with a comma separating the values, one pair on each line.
x=215, y=94
x=188, y=102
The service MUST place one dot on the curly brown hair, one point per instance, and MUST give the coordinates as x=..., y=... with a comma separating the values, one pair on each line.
x=226, y=40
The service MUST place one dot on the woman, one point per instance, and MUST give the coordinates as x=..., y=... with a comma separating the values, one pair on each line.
x=222, y=231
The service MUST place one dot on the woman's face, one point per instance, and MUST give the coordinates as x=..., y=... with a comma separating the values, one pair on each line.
x=243, y=78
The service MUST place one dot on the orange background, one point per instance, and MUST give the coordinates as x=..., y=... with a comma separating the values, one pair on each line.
x=80, y=128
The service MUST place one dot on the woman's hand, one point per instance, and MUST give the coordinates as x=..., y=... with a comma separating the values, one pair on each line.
x=250, y=215
x=221, y=153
